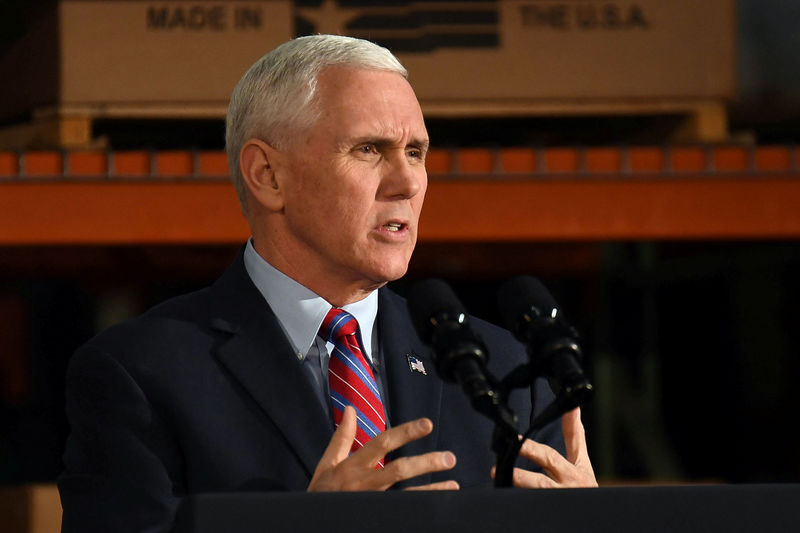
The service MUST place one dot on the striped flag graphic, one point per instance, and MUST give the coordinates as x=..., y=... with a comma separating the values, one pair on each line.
x=404, y=26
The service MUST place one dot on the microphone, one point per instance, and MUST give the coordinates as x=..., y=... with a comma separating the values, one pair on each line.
x=459, y=355
x=530, y=312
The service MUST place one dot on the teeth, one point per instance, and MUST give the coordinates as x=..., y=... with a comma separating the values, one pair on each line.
x=393, y=226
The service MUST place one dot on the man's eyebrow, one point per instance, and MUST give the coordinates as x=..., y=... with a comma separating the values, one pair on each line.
x=421, y=143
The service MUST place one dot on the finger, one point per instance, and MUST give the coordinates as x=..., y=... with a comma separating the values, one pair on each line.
x=574, y=436
x=441, y=485
x=339, y=470
x=348, y=475
x=553, y=463
x=532, y=480
x=337, y=451
x=339, y=446
x=392, y=439
x=408, y=467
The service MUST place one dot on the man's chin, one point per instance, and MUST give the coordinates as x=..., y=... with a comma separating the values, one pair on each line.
x=384, y=276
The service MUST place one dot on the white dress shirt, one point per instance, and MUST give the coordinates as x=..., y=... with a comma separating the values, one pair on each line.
x=300, y=313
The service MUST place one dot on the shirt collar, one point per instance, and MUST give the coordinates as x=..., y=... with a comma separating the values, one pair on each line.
x=299, y=310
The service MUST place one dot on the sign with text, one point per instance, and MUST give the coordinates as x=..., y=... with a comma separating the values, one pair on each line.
x=463, y=54
x=146, y=51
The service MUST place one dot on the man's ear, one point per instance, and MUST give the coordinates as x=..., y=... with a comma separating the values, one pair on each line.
x=260, y=163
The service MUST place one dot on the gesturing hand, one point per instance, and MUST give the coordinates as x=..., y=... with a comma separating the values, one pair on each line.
x=574, y=470
x=338, y=470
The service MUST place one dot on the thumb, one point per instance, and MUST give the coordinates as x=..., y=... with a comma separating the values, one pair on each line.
x=339, y=447
x=574, y=435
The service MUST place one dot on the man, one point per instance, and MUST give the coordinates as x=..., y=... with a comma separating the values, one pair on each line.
x=236, y=387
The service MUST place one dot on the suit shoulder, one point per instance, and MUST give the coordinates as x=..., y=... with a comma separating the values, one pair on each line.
x=165, y=327
x=494, y=331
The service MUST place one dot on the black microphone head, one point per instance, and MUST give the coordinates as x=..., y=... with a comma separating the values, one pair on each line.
x=523, y=300
x=459, y=355
x=430, y=301
x=534, y=318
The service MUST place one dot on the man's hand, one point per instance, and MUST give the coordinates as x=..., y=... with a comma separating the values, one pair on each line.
x=573, y=471
x=338, y=470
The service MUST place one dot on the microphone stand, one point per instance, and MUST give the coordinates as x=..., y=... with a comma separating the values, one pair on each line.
x=493, y=402
x=506, y=445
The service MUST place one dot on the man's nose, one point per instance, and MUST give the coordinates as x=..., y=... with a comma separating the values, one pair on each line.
x=403, y=179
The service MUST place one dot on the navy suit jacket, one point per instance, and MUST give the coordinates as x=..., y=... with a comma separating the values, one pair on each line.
x=203, y=393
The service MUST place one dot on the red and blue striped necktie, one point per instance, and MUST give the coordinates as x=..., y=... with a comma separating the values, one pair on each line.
x=350, y=377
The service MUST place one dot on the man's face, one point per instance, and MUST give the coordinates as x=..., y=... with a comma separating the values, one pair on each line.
x=357, y=180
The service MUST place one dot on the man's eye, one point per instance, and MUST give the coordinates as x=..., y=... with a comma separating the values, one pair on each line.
x=368, y=149
x=415, y=153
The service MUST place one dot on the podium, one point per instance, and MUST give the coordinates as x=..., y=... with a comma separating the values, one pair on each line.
x=669, y=509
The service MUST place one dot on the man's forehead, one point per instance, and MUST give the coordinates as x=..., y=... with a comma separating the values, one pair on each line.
x=376, y=102
x=375, y=127
x=337, y=80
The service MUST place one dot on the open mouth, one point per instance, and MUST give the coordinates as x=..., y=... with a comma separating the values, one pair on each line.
x=393, y=226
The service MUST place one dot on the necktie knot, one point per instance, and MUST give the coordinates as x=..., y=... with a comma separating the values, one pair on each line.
x=338, y=324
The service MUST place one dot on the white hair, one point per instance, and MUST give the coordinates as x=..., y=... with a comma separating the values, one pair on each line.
x=276, y=98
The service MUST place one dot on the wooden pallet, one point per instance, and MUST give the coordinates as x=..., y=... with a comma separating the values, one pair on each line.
x=51, y=131
x=703, y=120
x=71, y=127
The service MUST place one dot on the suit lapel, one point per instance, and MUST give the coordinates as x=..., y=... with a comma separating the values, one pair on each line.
x=258, y=355
x=412, y=394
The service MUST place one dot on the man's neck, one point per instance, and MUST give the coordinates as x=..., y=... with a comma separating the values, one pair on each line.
x=338, y=291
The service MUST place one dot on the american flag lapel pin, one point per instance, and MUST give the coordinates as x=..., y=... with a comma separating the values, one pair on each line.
x=415, y=364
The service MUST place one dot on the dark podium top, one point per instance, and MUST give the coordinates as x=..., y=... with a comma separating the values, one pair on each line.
x=708, y=508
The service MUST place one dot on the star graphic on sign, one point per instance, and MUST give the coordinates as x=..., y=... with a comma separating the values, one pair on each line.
x=329, y=17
